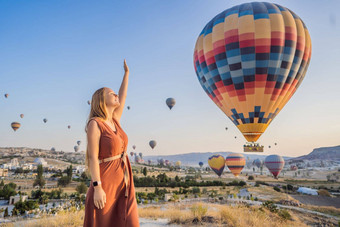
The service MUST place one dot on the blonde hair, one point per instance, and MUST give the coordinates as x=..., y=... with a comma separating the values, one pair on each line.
x=98, y=109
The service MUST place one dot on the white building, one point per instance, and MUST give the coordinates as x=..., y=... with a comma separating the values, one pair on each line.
x=15, y=162
x=28, y=166
x=40, y=161
x=16, y=198
x=167, y=197
x=79, y=169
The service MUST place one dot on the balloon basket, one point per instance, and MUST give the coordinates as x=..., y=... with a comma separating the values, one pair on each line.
x=253, y=147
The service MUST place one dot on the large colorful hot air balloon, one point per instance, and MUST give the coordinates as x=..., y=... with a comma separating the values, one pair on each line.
x=258, y=163
x=152, y=143
x=217, y=164
x=200, y=164
x=250, y=59
x=275, y=164
x=15, y=125
x=235, y=163
x=170, y=102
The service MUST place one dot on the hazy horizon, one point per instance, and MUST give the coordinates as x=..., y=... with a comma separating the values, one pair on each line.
x=56, y=54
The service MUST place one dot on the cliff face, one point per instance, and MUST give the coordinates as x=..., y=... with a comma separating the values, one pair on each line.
x=323, y=153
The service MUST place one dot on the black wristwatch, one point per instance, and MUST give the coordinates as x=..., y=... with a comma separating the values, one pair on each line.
x=96, y=183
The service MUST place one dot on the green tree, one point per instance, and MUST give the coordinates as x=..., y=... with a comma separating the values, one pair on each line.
x=8, y=190
x=81, y=188
x=177, y=179
x=69, y=172
x=40, y=178
x=145, y=171
x=64, y=181
x=6, y=212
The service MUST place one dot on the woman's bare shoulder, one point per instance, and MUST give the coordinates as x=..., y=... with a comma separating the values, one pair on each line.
x=94, y=123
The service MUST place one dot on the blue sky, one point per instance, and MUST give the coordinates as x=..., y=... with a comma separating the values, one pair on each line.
x=55, y=54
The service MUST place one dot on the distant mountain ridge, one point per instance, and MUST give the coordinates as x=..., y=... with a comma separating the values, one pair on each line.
x=322, y=153
x=192, y=159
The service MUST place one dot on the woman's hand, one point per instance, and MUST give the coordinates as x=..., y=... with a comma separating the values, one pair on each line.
x=126, y=68
x=99, y=197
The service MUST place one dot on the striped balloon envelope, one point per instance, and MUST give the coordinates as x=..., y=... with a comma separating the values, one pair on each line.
x=235, y=163
x=15, y=125
x=250, y=59
x=217, y=163
x=275, y=164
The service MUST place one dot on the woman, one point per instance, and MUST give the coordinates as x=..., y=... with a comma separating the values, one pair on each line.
x=110, y=199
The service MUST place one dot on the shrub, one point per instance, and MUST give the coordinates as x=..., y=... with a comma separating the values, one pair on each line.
x=324, y=192
x=270, y=206
x=284, y=214
x=277, y=189
x=198, y=210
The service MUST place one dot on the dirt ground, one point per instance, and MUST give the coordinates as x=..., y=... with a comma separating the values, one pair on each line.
x=318, y=200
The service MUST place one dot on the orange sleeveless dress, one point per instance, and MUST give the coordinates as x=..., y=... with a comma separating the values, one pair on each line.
x=120, y=209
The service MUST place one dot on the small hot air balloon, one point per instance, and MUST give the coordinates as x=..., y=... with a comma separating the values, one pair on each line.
x=161, y=161
x=269, y=146
x=200, y=164
x=170, y=102
x=217, y=164
x=128, y=107
x=134, y=147
x=152, y=143
x=78, y=142
x=250, y=60
x=235, y=137
x=141, y=155
x=137, y=158
x=69, y=126
x=258, y=163
x=293, y=168
x=6, y=96
x=178, y=163
x=235, y=163
x=15, y=125
x=45, y=120
x=52, y=149
x=21, y=115
x=275, y=164
x=131, y=153
x=226, y=128
x=275, y=144
x=149, y=162
x=89, y=102
x=76, y=148
x=167, y=162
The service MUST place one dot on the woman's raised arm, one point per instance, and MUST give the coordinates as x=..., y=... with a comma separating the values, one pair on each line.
x=122, y=93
